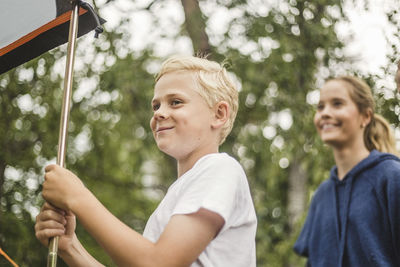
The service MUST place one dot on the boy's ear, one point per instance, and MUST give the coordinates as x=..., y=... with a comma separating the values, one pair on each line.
x=221, y=114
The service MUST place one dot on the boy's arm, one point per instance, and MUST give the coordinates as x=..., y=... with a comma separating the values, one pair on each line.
x=52, y=222
x=78, y=256
x=182, y=241
x=190, y=234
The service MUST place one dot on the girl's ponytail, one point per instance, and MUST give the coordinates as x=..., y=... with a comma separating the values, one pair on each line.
x=378, y=135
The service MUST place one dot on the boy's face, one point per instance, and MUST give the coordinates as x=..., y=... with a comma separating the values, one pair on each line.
x=181, y=122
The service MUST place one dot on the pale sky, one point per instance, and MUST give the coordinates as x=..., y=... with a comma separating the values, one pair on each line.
x=370, y=29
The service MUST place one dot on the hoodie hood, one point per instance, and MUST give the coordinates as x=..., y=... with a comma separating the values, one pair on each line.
x=375, y=157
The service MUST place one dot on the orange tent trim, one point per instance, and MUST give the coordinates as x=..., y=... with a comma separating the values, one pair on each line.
x=54, y=23
x=8, y=258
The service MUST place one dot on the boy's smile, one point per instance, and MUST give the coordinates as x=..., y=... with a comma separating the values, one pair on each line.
x=182, y=120
x=160, y=129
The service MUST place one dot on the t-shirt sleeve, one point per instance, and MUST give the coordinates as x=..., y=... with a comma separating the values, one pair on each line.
x=216, y=187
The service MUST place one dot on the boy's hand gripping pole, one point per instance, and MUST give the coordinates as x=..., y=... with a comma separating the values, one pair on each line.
x=62, y=138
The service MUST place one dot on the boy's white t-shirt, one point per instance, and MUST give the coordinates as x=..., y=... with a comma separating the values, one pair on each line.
x=217, y=183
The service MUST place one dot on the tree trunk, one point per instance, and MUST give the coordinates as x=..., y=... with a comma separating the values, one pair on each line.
x=2, y=169
x=195, y=25
x=297, y=192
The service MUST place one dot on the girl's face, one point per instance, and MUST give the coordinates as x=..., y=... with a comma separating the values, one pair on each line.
x=338, y=120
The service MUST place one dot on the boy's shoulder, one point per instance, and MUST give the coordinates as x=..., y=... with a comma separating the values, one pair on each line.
x=219, y=160
x=218, y=165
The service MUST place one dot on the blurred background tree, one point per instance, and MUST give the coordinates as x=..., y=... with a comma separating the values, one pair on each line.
x=279, y=52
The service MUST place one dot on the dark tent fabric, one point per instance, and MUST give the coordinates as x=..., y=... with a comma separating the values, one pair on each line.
x=30, y=28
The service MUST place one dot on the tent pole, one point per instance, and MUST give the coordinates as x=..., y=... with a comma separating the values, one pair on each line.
x=62, y=139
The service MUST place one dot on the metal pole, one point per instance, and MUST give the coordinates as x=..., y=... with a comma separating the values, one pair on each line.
x=62, y=139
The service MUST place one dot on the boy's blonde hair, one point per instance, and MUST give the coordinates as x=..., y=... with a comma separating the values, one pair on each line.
x=378, y=134
x=213, y=83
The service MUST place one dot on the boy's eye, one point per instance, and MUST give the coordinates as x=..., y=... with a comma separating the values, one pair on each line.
x=176, y=102
x=155, y=107
x=320, y=107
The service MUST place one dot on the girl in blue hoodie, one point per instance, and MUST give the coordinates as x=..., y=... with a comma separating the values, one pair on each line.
x=354, y=217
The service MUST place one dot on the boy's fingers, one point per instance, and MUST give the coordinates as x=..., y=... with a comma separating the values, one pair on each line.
x=45, y=229
x=49, y=167
x=48, y=206
x=44, y=235
x=51, y=215
x=49, y=224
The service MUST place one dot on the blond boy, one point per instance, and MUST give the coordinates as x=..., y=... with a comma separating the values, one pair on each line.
x=207, y=217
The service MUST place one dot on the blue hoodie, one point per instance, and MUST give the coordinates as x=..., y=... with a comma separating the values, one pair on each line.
x=355, y=221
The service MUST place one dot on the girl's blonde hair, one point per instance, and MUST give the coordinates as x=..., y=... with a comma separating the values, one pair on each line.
x=378, y=134
x=214, y=84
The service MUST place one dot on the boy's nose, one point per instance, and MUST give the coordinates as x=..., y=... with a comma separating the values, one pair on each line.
x=160, y=113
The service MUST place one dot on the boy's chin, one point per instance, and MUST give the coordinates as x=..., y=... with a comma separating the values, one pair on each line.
x=166, y=150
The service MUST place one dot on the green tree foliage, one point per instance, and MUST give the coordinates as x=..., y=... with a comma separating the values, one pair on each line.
x=278, y=52
x=288, y=44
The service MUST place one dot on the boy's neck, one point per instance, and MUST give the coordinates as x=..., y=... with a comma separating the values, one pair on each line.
x=185, y=164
